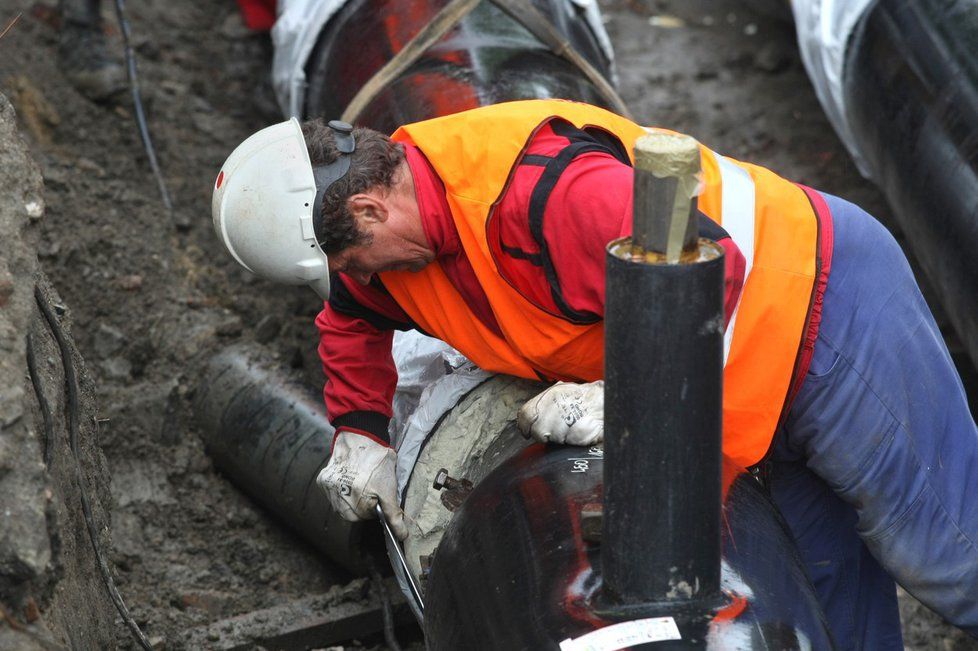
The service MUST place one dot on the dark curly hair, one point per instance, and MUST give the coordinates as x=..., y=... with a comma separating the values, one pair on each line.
x=374, y=164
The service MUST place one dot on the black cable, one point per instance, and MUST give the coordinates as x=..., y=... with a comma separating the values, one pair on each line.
x=386, y=607
x=41, y=401
x=71, y=381
x=120, y=13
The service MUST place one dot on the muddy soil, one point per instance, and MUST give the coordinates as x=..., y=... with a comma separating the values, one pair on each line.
x=153, y=294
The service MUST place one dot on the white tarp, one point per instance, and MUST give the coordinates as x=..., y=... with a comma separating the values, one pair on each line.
x=432, y=377
x=824, y=28
x=298, y=27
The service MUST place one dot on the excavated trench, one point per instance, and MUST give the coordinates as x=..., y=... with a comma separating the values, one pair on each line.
x=144, y=298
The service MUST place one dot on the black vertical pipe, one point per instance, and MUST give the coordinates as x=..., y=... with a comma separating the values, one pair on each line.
x=663, y=376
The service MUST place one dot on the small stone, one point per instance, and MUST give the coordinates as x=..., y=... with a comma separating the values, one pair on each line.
x=209, y=601
x=234, y=27
x=200, y=104
x=54, y=174
x=6, y=288
x=182, y=221
x=31, y=612
x=49, y=249
x=772, y=58
x=267, y=328
x=173, y=87
x=147, y=48
x=35, y=209
x=213, y=636
x=666, y=21
x=157, y=642
x=140, y=354
x=108, y=340
x=11, y=406
x=131, y=282
x=88, y=165
x=230, y=327
x=117, y=368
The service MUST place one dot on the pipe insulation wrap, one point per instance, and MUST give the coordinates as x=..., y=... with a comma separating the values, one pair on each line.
x=824, y=29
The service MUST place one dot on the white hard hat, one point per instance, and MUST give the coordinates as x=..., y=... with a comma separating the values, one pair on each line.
x=263, y=205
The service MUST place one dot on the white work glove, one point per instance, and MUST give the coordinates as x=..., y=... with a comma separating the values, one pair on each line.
x=565, y=413
x=360, y=473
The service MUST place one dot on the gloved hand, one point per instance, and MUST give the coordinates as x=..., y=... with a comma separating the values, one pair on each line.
x=360, y=473
x=565, y=413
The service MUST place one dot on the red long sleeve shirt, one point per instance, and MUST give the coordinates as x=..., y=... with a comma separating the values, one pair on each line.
x=590, y=205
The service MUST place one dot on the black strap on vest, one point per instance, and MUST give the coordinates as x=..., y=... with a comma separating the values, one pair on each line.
x=581, y=142
x=538, y=205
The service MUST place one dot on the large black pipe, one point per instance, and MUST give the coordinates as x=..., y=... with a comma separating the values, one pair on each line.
x=487, y=58
x=911, y=97
x=267, y=430
x=519, y=568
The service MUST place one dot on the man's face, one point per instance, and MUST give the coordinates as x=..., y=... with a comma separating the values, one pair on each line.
x=384, y=253
x=395, y=238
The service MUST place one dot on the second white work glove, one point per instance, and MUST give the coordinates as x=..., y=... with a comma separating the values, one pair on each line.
x=565, y=413
x=359, y=474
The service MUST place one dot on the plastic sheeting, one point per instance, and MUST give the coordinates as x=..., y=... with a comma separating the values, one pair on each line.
x=298, y=27
x=824, y=29
x=432, y=377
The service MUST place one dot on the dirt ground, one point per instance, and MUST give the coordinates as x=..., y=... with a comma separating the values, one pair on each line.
x=152, y=295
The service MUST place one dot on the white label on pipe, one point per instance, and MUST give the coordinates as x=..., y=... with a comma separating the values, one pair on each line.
x=625, y=634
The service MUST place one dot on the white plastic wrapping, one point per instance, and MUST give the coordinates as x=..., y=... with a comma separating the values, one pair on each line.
x=824, y=29
x=431, y=379
x=294, y=35
x=301, y=21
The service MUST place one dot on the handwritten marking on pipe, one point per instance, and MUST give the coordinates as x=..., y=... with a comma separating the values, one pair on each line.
x=625, y=634
x=583, y=464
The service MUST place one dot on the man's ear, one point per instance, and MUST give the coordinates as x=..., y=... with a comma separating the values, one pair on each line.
x=367, y=208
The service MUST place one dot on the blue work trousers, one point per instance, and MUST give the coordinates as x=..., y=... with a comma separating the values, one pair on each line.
x=876, y=466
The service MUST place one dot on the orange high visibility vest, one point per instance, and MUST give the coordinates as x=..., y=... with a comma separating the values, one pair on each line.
x=770, y=219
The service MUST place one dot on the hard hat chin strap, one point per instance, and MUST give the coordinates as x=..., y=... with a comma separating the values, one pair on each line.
x=326, y=175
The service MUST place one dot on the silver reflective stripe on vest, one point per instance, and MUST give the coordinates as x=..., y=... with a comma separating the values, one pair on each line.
x=737, y=218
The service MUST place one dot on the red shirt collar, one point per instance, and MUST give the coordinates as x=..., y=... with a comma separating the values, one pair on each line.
x=436, y=216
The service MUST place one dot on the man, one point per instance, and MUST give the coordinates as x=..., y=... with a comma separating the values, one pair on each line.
x=487, y=229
